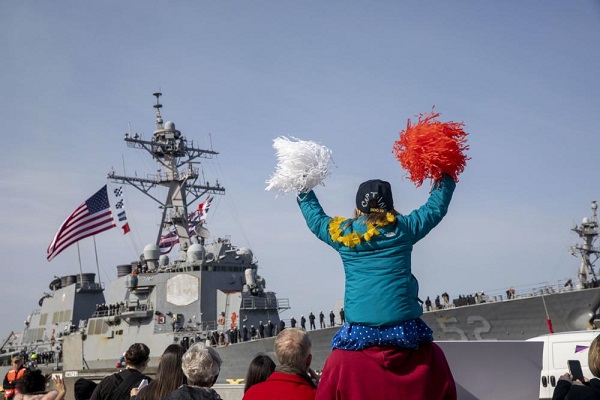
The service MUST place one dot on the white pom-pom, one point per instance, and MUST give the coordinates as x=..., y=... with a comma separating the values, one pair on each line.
x=301, y=165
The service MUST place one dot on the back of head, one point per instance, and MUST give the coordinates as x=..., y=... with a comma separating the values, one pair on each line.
x=83, y=388
x=201, y=365
x=374, y=196
x=259, y=370
x=293, y=348
x=170, y=359
x=594, y=357
x=137, y=355
x=33, y=381
x=169, y=375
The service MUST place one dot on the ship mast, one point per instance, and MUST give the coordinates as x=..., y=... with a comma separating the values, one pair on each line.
x=588, y=232
x=172, y=151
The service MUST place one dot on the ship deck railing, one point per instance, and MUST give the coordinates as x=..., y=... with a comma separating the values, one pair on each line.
x=119, y=309
x=265, y=303
x=499, y=295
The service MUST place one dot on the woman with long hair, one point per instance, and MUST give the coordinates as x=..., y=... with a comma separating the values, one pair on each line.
x=261, y=367
x=169, y=375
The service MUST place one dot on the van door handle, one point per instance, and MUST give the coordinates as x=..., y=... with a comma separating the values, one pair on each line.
x=553, y=381
x=544, y=381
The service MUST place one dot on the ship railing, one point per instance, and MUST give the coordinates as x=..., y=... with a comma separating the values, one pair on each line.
x=283, y=304
x=520, y=292
x=534, y=290
x=264, y=303
x=209, y=325
x=120, y=308
x=196, y=328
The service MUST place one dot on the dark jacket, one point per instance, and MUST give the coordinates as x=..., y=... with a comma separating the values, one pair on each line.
x=186, y=392
x=565, y=390
x=108, y=387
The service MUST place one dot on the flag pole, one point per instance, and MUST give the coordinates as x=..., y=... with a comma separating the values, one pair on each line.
x=548, y=320
x=80, y=270
x=97, y=264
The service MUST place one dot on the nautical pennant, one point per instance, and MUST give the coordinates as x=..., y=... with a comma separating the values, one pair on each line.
x=120, y=205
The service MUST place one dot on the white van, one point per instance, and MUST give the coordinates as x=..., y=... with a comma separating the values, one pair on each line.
x=558, y=348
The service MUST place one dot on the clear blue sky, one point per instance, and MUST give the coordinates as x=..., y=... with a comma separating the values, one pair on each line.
x=523, y=76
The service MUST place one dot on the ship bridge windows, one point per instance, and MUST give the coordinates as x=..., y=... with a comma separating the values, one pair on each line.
x=43, y=319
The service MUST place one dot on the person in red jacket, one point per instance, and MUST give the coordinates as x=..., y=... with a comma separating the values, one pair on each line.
x=14, y=374
x=293, y=379
x=387, y=372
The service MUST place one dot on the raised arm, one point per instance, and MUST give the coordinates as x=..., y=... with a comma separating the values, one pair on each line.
x=315, y=217
x=421, y=221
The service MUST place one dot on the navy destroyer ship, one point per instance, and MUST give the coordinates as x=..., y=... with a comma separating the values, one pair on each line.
x=211, y=291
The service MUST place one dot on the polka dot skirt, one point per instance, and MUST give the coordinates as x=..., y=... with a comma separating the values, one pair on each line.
x=408, y=334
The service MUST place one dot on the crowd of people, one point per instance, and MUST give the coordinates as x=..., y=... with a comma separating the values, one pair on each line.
x=180, y=375
x=270, y=329
x=385, y=372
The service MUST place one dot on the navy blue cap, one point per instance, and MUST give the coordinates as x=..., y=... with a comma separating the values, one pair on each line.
x=374, y=196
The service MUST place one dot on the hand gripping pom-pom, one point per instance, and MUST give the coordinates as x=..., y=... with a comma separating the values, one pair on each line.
x=301, y=165
x=430, y=149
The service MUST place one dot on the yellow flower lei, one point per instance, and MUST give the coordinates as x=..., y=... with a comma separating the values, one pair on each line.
x=352, y=239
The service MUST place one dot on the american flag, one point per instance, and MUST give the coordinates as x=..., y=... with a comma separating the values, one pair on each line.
x=167, y=241
x=89, y=218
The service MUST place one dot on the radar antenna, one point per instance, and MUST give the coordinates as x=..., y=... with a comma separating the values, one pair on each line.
x=158, y=106
x=170, y=148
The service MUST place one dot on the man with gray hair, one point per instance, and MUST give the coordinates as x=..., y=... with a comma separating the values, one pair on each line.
x=291, y=379
x=201, y=366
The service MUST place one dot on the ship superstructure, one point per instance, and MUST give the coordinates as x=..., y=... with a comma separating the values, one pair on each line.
x=586, y=251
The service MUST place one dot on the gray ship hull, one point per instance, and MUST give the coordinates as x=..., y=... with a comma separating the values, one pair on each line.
x=518, y=319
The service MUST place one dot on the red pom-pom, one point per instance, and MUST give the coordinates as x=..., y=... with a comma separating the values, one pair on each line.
x=430, y=149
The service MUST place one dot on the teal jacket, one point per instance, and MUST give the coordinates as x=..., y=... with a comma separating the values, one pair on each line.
x=380, y=288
